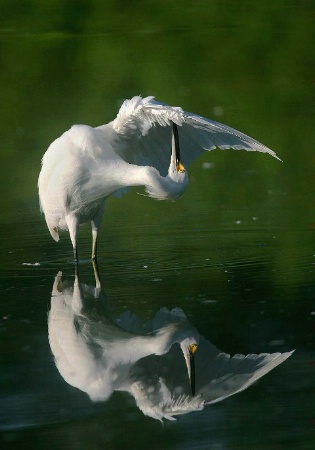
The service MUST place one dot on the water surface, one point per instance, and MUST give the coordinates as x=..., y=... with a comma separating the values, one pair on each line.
x=236, y=253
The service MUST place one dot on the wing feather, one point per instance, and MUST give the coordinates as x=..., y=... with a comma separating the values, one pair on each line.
x=145, y=126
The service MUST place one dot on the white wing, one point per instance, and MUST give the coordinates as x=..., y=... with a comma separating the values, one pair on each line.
x=145, y=126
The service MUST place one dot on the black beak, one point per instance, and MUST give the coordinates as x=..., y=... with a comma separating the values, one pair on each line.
x=192, y=373
x=176, y=143
x=176, y=149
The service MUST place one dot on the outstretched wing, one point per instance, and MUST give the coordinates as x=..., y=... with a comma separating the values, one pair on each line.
x=145, y=126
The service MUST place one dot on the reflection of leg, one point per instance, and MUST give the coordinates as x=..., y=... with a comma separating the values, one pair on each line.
x=97, y=277
x=76, y=269
x=96, y=222
x=77, y=299
x=75, y=255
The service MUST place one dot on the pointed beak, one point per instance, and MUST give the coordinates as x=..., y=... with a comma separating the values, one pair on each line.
x=190, y=363
x=176, y=149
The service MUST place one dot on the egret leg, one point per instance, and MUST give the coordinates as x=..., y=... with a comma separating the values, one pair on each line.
x=73, y=226
x=96, y=223
x=94, y=241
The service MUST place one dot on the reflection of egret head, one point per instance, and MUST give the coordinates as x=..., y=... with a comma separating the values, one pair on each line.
x=188, y=337
x=189, y=350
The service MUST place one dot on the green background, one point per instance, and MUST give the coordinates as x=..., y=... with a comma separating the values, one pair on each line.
x=236, y=252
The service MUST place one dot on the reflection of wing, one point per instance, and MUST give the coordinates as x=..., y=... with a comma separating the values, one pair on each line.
x=160, y=403
x=221, y=376
x=161, y=388
x=98, y=357
x=166, y=393
x=144, y=125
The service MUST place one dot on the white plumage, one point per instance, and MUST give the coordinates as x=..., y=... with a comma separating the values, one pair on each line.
x=148, y=144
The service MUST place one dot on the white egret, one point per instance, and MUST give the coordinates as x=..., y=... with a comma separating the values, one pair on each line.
x=99, y=356
x=85, y=165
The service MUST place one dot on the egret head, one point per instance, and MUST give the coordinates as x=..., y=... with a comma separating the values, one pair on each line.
x=177, y=179
x=186, y=335
x=173, y=185
x=175, y=159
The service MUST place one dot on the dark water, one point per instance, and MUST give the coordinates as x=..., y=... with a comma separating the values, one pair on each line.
x=236, y=253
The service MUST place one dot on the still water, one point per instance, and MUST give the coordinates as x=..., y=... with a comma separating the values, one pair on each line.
x=236, y=254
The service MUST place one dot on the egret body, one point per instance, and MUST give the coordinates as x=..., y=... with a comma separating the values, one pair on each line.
x=148, y=144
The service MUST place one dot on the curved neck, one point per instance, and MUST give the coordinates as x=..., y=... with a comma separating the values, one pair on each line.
x=170, y=187
x=161, y=188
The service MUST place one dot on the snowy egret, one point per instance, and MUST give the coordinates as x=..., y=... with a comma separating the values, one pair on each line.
x=99, y=355
x=148, y=144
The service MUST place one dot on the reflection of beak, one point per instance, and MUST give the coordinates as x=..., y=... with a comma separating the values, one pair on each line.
x=190, y=363
x=176, y=149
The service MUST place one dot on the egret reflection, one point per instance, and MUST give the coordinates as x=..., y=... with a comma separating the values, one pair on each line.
x=100, y=355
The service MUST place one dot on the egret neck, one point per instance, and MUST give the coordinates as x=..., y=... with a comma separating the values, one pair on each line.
x=175, y=183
